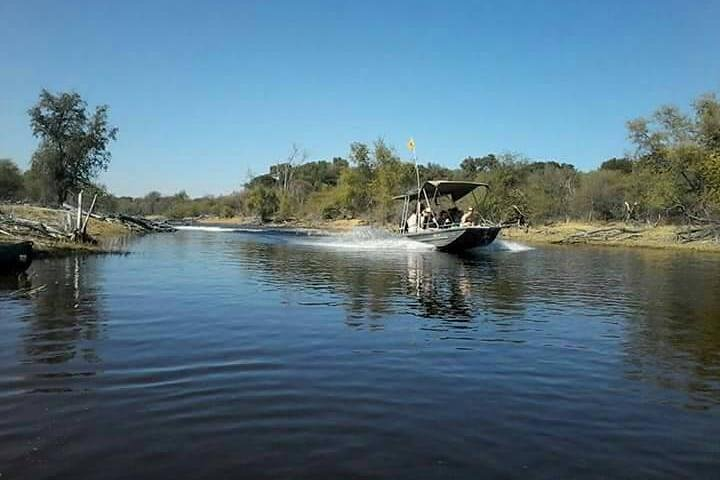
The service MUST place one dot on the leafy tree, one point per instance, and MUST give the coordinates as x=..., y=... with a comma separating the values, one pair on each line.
x=391, y=177
x=11, y=180
x=679, y=151
x=471, y=166
x=623, y=165
x=600, y=195
x=263, y=202
x=73, y=146
x=355, y=194
x=433, y=171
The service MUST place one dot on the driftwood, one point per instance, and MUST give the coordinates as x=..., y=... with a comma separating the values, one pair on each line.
x=75, y=229
x=710, y=232
x=601, y=234
x=699, y=228
x=19, y=226
x=136, y=224
x=142, y=224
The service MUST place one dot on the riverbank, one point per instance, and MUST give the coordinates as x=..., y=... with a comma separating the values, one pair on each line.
x=608, y=234
x=45, y=227
x=615, y=234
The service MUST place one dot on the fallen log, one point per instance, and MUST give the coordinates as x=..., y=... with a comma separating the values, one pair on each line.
x=601, y=234
x=699, y=233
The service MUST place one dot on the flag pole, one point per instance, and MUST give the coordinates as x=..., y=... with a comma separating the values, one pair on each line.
x=411, y=147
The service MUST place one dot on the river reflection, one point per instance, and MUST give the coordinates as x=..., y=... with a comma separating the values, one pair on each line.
x=426, y=284
x=665, y=304
x=270, y=355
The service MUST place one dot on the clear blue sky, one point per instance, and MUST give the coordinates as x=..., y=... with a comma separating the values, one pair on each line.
x=203, y=92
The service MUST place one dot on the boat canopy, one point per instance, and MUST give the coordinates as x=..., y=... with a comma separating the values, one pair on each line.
x=439, y=188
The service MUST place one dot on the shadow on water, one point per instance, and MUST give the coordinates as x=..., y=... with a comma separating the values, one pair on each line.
x=63, y=310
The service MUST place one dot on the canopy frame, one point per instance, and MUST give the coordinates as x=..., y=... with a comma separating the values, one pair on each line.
x=456, y=190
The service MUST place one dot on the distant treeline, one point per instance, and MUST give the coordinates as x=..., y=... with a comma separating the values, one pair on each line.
x=673, y=174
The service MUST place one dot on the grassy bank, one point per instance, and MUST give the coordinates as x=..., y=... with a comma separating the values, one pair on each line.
x=103, y=232
x=608, y=234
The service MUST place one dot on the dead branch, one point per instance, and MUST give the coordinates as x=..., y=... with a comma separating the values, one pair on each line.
x=601, y=235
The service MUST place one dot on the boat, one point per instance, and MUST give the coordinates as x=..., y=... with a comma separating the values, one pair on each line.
x=15, y=257
x=430, y=215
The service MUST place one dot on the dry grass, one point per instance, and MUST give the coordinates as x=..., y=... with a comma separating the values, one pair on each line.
x=99, y=230
x=57, y=218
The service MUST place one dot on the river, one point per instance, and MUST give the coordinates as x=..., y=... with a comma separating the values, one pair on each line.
x=266, y=354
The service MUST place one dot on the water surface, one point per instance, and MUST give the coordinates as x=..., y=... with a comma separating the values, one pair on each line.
x=251, y=354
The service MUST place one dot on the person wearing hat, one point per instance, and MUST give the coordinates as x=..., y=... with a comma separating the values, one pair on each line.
x=468, y=218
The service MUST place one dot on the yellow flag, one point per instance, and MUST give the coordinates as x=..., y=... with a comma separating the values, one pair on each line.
x=411, y=144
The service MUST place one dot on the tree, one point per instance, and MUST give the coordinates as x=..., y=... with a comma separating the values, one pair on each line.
x=73, y=146
x=263, y=202
x=284, y=172
x=11, y=180
x=623, y=165
x=680, y=151
x=391, y=177
x=471, y=166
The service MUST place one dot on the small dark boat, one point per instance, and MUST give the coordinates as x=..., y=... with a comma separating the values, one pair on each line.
x=15, y=257
x=448, y=234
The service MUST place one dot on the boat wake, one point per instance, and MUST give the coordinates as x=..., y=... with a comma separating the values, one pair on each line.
x=507, y=246
x=203, y=228
x=361, y=238
x=364, y=238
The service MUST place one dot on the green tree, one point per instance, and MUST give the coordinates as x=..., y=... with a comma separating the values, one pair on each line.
x=391, y=177
x=623, y=165
x=680, y=152
x=73, y=146
x=11, y=180
x=263, y=202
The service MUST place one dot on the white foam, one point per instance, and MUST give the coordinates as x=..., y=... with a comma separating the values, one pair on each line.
x=508, y=246
x=216, y=229
x=365, y=238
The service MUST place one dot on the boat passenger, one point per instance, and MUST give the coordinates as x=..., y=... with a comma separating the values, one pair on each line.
x=445, y=221
x=468, y=219
x=411, y=224
x=454, y=213
x=425, y=218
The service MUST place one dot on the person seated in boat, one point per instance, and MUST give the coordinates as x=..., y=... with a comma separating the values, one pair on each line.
x=425, y=218
x=454, y=213
x=445, y=221
x=468, y=219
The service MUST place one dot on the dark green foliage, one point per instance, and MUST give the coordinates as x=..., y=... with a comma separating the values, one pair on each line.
x=263, y=202
x=73, y=143
x=11, y=181
x=623, y=165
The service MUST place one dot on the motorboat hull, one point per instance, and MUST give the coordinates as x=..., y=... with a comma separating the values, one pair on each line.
x=456, y=239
